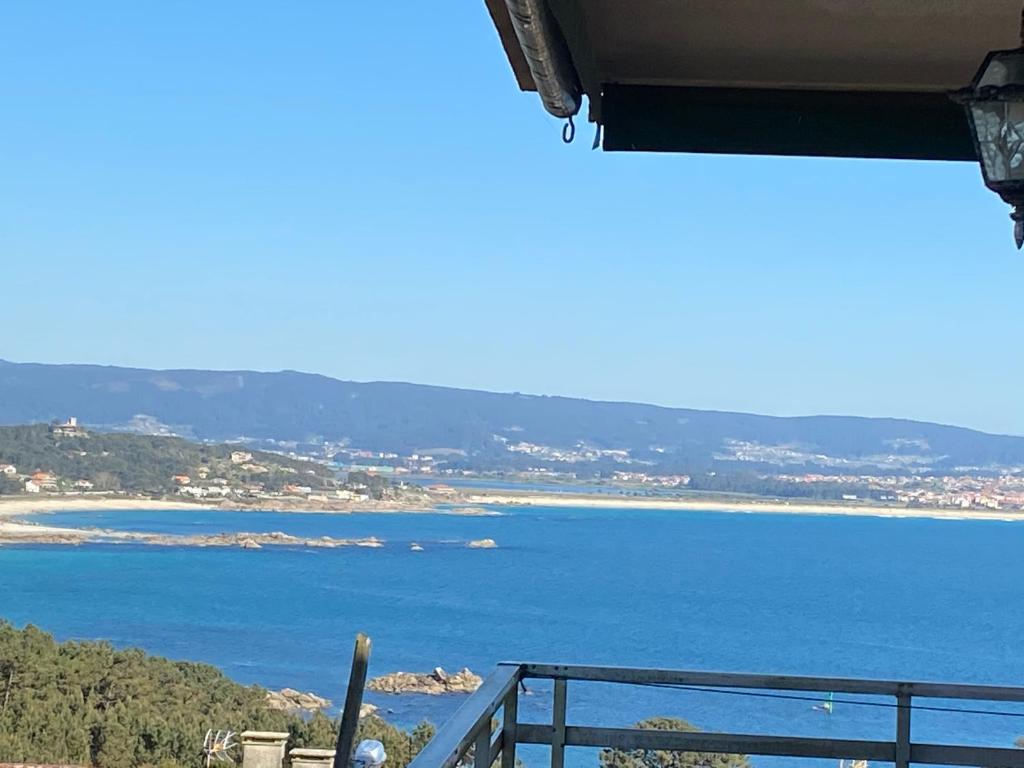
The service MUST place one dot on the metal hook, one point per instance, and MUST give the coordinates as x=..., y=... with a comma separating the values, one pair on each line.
x=569, y=131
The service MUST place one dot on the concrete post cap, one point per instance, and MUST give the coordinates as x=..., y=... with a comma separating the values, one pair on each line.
x=322, y=754
x=270, y=736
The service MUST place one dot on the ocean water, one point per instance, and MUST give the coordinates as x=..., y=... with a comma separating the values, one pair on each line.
x=812, y=595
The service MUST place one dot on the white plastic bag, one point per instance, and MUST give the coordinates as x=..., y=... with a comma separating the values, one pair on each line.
x=369, y=754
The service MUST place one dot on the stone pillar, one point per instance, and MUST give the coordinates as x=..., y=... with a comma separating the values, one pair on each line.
x=263, y=749
x=312, y=758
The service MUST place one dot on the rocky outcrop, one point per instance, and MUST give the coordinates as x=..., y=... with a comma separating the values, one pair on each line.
x=474, y=512
x=431, y=683
x=25, y=534
x=482, y=544
x=290, y=700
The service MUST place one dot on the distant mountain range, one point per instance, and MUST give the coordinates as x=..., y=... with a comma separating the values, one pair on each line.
x=485, y=430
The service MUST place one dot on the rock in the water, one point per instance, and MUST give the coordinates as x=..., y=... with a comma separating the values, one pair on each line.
x=415, y=547
x=475, y=512
x=249, y=544
x=290, y=700
x=365, y=710
x=482, y=544
x=431, y=683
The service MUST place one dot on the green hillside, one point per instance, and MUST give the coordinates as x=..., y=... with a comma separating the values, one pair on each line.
x=142, y=463
x=89, y=704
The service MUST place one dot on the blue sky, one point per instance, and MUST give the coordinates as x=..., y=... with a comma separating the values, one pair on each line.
x=360, y=190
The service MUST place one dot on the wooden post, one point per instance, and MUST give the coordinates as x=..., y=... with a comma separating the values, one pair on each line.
x=353, y=702
x=558, y=725
x=508, y=728
x=903, y=701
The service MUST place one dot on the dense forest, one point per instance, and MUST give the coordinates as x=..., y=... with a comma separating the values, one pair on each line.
x=142, y=463
x=90, y=704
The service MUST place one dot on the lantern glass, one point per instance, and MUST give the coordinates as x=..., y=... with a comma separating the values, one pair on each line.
x=999, y=126
x=995, y=107
x=1002, y=68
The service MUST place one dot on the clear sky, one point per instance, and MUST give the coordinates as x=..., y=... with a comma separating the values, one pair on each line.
x=360, y=190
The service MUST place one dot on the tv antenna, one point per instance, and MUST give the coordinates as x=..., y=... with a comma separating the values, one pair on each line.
x=217, y=746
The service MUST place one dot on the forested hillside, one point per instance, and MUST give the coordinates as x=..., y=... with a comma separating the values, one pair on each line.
x=140, y=463
x=89, y=704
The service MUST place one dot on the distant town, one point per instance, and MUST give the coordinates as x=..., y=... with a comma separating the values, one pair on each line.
x=989, y=490
x=64, y=458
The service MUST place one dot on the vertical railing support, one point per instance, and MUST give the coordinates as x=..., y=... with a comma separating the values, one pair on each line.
x=903, y=702
x=558, y=725
x=510, y=719
x=482, y=750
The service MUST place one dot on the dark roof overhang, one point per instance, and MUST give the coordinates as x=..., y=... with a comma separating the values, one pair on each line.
x=846, y=78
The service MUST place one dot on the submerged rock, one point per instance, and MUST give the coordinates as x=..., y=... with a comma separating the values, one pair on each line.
x=430, y=683
x=482, y=544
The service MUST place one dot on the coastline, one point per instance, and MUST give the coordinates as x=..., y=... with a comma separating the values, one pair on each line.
x=24, y=505
x=746, y=506
x=479, y=502
x=41, y=505
x=16, y=530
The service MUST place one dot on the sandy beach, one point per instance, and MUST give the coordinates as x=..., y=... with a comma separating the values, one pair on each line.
x=14, y=530
x=775, y=506
x=23, y=505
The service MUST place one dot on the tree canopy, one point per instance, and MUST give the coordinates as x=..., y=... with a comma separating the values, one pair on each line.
x=87, y=703
x=658, y=758
x=115, y=461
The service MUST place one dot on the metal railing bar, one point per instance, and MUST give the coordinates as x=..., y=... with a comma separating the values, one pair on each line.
x=980, y=757
x=482, y=748
x=646, y=676
x=852, y=702
x=497, y=744
x=453, y=739
x=722, y=743
x=510, y=718
x=558, y=725
x=903, y=702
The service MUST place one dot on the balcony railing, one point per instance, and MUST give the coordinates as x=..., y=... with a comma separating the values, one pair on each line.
x=475, y=724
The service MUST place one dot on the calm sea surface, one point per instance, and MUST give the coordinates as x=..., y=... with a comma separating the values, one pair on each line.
x=859, y=597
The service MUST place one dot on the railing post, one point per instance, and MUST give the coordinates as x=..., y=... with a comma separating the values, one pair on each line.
x=482, y=750
x=510, y=719
x=903, y=702
x=558, y=725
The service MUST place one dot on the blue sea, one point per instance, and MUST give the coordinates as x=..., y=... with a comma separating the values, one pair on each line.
x=811, y=595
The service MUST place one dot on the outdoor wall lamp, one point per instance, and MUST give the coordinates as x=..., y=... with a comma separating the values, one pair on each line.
x=995, y=108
